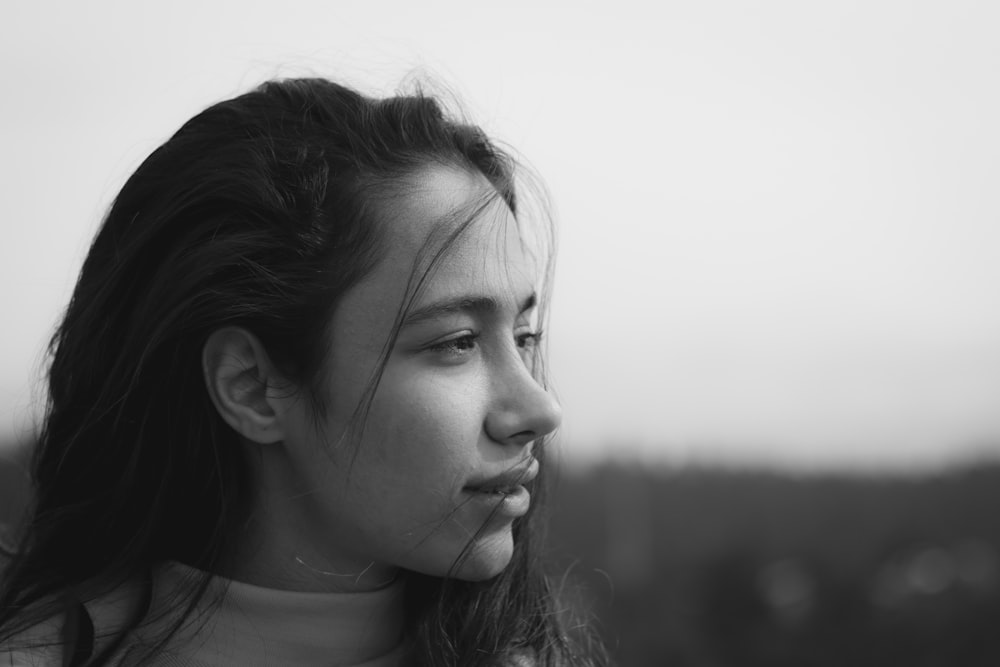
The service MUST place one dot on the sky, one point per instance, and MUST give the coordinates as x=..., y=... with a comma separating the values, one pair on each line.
x=779, y=221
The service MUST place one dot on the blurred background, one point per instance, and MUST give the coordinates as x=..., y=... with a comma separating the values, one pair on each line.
x=776, y=331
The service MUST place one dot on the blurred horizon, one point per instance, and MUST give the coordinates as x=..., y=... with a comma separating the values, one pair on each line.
x=778, y=221
x=701, y=567
x=572, y=464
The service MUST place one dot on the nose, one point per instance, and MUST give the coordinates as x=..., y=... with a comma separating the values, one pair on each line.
x=523, y=410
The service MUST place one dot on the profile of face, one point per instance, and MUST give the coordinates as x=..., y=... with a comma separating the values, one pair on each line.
x=435, y=471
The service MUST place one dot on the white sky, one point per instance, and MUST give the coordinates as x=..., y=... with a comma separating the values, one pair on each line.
x=780, y=221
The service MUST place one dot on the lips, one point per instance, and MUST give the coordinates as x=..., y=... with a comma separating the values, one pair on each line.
x=501, y=502
x=506, y=482
x=503, y=490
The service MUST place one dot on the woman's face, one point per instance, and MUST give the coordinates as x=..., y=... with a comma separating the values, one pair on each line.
x=452, y=424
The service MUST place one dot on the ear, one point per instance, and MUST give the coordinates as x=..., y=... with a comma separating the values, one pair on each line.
x=244, y=385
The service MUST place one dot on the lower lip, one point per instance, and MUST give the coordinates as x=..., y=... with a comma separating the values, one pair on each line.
x=513, y=504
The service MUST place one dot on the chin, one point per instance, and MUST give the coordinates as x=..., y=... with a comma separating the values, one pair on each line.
x=487, y=558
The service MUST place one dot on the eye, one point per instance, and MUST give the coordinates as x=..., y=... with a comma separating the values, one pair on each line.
x=528, y=340
x=457, y=347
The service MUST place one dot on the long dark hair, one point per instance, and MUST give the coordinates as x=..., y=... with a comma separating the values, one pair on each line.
x=259, y=213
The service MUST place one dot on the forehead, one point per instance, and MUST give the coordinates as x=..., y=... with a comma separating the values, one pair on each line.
x=433, y=203
x=488, y=257
x=430, y=195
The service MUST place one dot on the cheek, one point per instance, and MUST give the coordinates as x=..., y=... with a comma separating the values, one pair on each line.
x=420, y=448
x=428, y=417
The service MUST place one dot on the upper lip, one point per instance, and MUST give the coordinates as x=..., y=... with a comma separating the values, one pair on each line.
x=516, y=476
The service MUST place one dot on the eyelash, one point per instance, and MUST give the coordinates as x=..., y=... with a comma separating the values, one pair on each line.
x=529, y=340
x=454, y=345
x=462, y=345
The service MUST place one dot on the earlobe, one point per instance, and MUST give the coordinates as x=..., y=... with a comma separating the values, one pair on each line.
x=238, y=375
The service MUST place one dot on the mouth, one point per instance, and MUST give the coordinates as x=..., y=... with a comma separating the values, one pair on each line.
x=507, y=482
x=495, y=490
x=506, y=501
x=505, y=494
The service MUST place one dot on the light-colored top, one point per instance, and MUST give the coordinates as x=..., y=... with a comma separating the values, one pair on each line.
x=251, y=627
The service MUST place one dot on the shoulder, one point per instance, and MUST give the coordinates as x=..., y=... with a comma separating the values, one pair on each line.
x=70, y=628
x=38, y=657
x=41, y=645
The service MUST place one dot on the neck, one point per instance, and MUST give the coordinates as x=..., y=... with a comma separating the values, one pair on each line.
x=280, y=546
x=275, y=562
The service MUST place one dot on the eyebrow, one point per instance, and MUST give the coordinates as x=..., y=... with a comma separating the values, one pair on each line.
x=476, y=304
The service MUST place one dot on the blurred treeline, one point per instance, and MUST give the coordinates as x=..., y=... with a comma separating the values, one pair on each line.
x=715, y=568
x=744, y=569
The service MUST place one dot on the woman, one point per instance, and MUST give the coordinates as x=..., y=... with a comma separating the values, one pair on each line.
x=296, y=411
